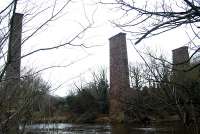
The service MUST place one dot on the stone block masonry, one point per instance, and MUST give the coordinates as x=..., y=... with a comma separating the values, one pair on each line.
x=12, y=76
x=119, y=76
x=14, y=49
x=180, y=58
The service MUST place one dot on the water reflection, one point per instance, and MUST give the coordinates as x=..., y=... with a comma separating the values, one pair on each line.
x=129, y=129
x=64, y=128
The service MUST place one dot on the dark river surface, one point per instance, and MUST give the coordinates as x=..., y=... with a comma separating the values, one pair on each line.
x=66, y=128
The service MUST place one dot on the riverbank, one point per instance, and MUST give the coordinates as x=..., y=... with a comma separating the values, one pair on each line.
x=101, y=118
x=85, y=118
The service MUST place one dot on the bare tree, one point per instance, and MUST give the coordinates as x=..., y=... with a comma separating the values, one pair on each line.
x=144, y=19
x=161, y=16
x=136, y=76
x=166, y=97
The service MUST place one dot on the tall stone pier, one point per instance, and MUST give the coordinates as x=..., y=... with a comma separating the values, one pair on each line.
x=180, y=58
x=12, y=83
x=119, y=77
x=14, y=49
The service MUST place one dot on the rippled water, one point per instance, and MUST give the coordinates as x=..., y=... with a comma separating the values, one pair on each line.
x=65, y=128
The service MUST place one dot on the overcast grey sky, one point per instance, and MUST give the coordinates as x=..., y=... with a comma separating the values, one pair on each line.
x=82, y=61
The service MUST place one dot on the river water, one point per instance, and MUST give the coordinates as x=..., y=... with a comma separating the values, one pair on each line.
x=66, y=128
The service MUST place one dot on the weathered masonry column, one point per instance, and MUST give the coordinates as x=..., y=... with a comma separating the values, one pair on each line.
x=180, y=62
x=14, y=48
x=13, y=74
x=180, y=55
x=119, y=76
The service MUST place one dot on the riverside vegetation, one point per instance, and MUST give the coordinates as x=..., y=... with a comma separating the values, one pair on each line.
x=154, y=98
